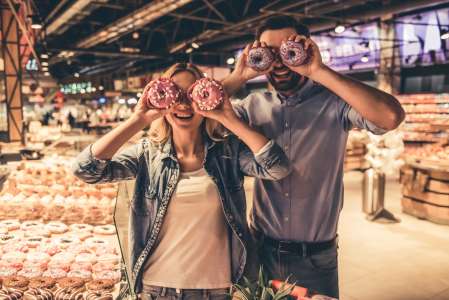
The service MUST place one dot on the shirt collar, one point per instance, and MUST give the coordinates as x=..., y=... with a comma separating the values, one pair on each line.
x=299, y=95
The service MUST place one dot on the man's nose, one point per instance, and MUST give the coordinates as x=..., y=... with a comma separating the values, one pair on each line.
x=277, y=63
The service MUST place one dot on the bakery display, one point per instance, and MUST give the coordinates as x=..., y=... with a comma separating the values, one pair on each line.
x=57, y=238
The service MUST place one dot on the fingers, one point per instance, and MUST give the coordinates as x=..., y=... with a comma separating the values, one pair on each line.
x=256, y=44
x=247, y=48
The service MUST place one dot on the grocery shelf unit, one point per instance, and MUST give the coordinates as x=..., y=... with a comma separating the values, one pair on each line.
x=427, y=118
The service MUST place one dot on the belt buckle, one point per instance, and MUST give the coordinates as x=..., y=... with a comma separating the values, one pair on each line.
x=283, y=244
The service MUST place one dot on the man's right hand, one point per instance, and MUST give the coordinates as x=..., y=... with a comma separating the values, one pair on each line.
x=242, y=72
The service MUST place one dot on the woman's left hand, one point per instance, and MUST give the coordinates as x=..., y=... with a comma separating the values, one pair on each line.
x=224, y=113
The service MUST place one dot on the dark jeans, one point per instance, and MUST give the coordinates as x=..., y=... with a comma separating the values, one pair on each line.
x=160, y=293
x=317, y=272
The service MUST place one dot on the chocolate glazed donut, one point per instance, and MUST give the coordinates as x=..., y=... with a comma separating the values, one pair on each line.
x=69, y=293
x=38, y=294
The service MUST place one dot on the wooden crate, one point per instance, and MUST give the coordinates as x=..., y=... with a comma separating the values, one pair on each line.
x=425, y=189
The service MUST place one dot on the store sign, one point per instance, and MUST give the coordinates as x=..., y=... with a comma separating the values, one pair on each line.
x=356, y=48
x=420, y=36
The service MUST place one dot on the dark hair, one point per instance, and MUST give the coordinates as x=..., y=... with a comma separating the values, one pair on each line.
x=281, y=22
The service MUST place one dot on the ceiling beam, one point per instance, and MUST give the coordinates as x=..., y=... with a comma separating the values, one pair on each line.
x=215, y=10
x=105, y=53
x=133, y=21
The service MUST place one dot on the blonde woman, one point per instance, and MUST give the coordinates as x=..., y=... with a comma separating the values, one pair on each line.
x=189, y=236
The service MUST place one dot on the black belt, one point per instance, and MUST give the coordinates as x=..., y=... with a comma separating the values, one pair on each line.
x=300, y=248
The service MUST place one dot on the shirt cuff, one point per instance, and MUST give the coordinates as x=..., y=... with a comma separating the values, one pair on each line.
x=265, y=148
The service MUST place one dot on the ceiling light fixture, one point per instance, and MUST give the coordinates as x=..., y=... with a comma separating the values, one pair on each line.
x=44, y=63
x=364, y=59
x=195, y=45
x=189, y=50
x=76, y=75
x=45, y=69
x=136, y=35
x=230, y=61
x=44, y=56
x=340, y=28
x=47, y=74
x=444, y=34
x=36, y=22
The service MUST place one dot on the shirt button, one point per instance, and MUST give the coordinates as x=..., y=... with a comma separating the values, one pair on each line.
x=286, y=194
x=286, y=125
x=286, y=219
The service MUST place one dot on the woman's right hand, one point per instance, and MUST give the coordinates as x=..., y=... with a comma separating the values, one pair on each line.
x=147, y=114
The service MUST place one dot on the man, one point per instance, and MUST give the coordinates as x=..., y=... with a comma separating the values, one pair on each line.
x=309, y=114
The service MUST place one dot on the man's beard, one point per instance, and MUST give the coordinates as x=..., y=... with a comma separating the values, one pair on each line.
x=287, y=83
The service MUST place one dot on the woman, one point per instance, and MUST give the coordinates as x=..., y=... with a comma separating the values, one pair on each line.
x=188, y=234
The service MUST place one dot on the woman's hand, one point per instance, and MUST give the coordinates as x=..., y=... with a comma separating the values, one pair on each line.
x=224, y=113
x=146, y=114
x=314, y=62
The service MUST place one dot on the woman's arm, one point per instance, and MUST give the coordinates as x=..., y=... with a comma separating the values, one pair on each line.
x=100, y=163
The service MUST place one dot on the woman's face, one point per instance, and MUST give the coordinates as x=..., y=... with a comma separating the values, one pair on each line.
x=183, y=116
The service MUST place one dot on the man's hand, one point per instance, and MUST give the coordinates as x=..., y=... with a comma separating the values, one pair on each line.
x=314, y=61
x=242, y=72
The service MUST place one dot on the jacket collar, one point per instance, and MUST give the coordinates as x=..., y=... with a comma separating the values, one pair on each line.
x=168, y=150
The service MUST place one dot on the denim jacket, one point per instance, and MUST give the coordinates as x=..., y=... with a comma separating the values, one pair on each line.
x=156, y=171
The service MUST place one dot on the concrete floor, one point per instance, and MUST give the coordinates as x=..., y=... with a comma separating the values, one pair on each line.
x=404, y=261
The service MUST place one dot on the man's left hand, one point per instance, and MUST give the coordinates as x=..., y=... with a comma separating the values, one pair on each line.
x=314, y=61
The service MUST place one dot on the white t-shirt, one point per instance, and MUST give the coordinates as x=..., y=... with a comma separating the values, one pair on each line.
x=193, y=247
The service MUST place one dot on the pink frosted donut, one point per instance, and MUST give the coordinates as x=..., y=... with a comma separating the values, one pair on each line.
x=7, y=238
x=86, y=258
x=15, y=246
x=49, y=248
x=81, y=266
x=84, y=274
x=10, y=224
x=3, y=230
x=109, y=258
x=34, y=242
x=36, y=257
x=30, y=272
x=161, y=93
x=59, y=265
x=65, y=242
x=14, y=257
x=33, y=265
x=207, y=93
x=260, y=58
x=104, y=229
x=293, y=53
x=105, y=249
x=7, y=272
x=94, y=243
x=55, y=273
x=113, y=275
x=103, y=266
x=81, y=227
x=63, y=257
x=56, y=227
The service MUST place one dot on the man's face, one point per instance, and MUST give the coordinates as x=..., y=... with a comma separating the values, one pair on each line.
x=281, y=77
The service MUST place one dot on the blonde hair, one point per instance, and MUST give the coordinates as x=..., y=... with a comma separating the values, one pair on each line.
x=161, y=131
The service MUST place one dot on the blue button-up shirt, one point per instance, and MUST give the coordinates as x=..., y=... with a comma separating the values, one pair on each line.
x=312, y=127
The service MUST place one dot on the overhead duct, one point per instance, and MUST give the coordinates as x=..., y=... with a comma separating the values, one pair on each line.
x=137, y=19
x=76, y=12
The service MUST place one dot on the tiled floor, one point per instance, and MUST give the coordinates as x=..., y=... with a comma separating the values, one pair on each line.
x=403, y=261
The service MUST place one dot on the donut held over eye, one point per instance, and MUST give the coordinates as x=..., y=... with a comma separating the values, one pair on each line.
x=161, y=93
x=293, y=53
x=207, y=93
x=260, y=58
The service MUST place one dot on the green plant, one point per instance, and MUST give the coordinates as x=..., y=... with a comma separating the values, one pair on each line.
x=261, y=289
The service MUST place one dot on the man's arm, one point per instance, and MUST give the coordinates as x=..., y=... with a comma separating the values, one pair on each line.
x=376, y=106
